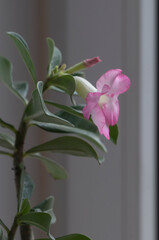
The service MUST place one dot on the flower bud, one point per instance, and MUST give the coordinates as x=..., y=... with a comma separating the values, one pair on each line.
x=91, y=61
x=83, y=87
x=83, y=65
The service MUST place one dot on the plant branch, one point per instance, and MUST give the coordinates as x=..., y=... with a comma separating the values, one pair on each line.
x=25, y=230
x=12, y=232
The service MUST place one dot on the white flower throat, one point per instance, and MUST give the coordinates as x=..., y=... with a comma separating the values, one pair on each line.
x=103, y=100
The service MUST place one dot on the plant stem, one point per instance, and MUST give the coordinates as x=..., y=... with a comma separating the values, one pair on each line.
x=25, y=230
x=13, y=230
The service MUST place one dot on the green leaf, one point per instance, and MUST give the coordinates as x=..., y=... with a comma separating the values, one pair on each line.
x=6, y=153
x=7, y=141
x=73, y=237
x=54, y=169
x=113, y=131
x=7, y=125
x=50, y=44
x=4, y=227
x=55, y=57
x=24, y=52
x=25, y=208
x=77, y=121
x=22, y=88
x=6, y=78
x=47, y=207
x=26, y=188
x=68, y=145
x=67, y=109
x=74, y=115
x=66, y=83
x=37, y=219
x=38, y=110
x=88, y=135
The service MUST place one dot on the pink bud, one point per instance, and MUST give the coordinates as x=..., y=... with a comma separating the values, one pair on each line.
x=91, y=61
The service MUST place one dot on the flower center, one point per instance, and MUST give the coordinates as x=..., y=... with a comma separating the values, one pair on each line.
x=103, y=100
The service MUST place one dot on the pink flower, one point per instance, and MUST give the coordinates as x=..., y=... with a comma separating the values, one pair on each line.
x=103, y=104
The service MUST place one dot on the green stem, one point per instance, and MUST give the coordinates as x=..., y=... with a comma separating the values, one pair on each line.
x=12, y=232
x=26, y=233
x=25, y=230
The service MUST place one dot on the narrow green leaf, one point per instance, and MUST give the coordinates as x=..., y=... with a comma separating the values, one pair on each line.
x=68, y=145
x=37, y=219
x=6, y=78
x=53, y=168
x=22, y=88
x=47, y=207
x=57, y=58
x=66, y=83
x=113, y=131
x=67, y=109
x=6, y=153
x=25, y=208
x=77, y=121
x=50, y=44
x=26, y=188
x=4, y=227
x=7, y=141
x=73, y=237
x=7, y=125
x=38, y=110
x=24, y=52
x=88, y=135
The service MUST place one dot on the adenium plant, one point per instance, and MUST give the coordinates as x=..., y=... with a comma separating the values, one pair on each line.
x=101, y=103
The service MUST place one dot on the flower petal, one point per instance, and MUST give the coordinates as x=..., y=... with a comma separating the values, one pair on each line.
x=107, y=79
x=111, y=111
x=91, y=102
x=120, y=84
x=106, y=131
x=98, y=118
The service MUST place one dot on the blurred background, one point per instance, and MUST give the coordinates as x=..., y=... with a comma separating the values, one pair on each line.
x=117, y=199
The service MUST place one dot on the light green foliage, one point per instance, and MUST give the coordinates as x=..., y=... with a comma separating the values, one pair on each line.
x=46, y=206
x=26, y=188
x=24, y=52
x=66, y=83
x=55, y=56
x=40, y=220
x=7, y=125
x=7, y=141
x=36, y=109
x=67, y=145
x=54, y=169
x=6, y=78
